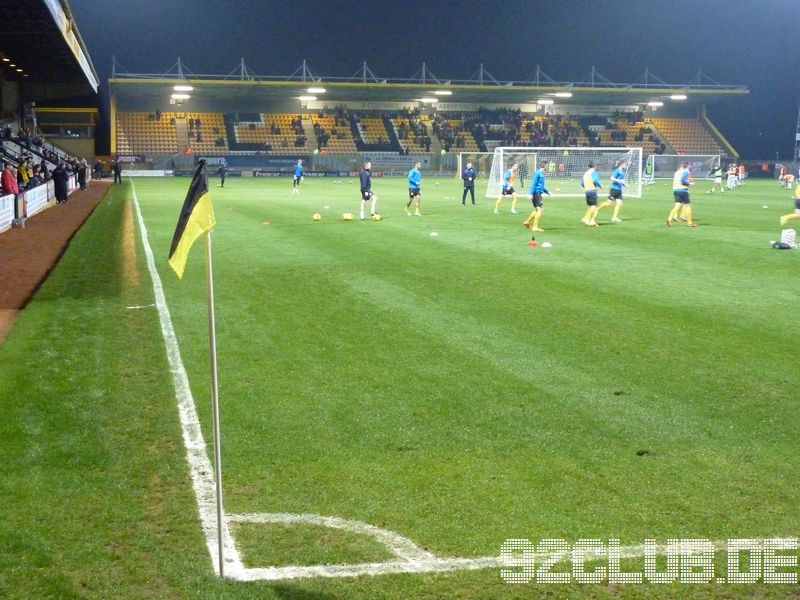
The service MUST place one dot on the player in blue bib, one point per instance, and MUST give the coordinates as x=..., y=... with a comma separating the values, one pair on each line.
x=414, y=188
x=615, y=191
x=298, y=176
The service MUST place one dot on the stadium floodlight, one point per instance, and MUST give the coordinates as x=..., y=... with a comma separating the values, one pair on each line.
x=180, y=96
x=429, y=100
x=183, y=88
x=19, y=70
x=655, y=103
x=678, y=97
x=6, y=59
x=12, y=65
x=544, y=101
x=317, y=90
x=306, y=98
x=443, y=93
x=563, y=94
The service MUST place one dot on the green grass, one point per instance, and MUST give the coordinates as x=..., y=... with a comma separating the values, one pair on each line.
x=630, y=382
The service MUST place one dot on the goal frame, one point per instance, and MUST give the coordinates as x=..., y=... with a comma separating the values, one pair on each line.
x=634, y=166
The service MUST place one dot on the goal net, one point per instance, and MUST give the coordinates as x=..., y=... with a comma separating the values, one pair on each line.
x=663, y=166
x=564, y=168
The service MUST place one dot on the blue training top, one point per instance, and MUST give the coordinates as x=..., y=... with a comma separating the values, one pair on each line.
x=618, y=174
x=537, y=185
x=414, y=179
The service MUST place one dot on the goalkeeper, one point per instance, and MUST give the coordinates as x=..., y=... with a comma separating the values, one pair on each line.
x=537, y=189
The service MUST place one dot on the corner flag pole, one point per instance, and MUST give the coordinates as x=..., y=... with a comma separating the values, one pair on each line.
x=212, y=341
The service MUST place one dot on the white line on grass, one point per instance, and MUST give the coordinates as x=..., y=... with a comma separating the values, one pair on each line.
x=199, y=465
x=410, y=557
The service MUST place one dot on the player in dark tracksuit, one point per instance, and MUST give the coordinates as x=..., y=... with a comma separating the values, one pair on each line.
x=468, y=175
x=222, y=171
x=366, y=189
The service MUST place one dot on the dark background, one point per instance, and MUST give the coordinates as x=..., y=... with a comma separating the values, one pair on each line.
x=749, y=42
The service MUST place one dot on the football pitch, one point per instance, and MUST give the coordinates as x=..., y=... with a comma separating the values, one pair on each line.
x=433, y=384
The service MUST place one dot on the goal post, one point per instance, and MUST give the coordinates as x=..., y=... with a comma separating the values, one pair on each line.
x=564, y=168
x=663, y=166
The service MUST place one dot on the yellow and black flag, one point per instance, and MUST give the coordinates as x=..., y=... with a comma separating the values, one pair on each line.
x=197, y=217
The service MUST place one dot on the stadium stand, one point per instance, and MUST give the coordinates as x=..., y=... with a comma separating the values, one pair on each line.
x=412, y=132
x=333, y=138
x=373, y=131
x=687, y=135
x=275, y=133
x=143, y=133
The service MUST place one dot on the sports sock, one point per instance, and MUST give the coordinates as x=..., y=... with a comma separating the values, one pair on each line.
x=603, y=204
x=532, y=217
x=374, y=203
x=497, y=204
x=587, y=216
x=536, y=218
x=687, y=213
x=617, y=208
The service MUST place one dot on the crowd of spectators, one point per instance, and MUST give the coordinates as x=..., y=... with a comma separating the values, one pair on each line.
x=451, y=136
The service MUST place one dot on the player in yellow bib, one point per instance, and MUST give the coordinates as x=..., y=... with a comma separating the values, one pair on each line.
x=796, y=214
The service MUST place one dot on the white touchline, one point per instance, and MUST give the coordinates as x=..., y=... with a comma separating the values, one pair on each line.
x=410, y=557
x=199, y=465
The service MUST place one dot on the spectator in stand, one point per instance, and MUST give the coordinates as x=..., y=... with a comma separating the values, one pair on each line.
x=60, y=183
x=82, y=166
x=22, y=174
x=36, y=180
x=9, y=180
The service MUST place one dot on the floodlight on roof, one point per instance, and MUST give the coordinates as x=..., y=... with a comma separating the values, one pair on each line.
x=655, y=103
x=183, y=88
x=317, y=90
x=443, y=93
x=180, y=96
x=563, y=94
x=544, y=101
x=678, y=97
x=429, y=100
x=306, y=98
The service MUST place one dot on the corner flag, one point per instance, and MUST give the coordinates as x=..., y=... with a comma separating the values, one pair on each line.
x=197, y=217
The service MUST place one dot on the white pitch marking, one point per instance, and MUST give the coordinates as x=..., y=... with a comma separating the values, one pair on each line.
x=199, y=465
x=402, y=547
x=142, y=306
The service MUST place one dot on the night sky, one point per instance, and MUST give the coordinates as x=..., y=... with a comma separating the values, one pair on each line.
x=750, y=42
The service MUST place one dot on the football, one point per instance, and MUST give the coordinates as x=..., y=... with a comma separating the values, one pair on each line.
x=317, y=217
x=347, y=216
x=376, y=217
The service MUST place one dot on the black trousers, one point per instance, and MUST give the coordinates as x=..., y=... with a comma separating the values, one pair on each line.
x=471, y=190
x=117, y=176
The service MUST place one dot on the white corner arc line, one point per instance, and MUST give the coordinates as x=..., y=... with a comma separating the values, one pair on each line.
x=199, y=465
